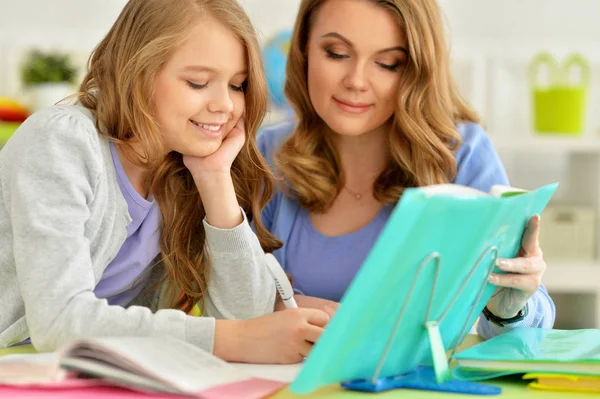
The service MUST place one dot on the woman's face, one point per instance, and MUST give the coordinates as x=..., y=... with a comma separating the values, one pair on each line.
x=356, y=55
x=199, y=91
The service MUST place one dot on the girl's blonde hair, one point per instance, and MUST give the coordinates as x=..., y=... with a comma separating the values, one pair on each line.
x=118, y=88
x=423, y=135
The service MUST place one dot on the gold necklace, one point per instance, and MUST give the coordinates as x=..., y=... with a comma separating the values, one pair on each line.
x=357, y=196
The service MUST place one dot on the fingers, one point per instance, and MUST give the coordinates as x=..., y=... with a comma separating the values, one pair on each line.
x=528, y=283
x=305, y=349
x=239, y=129
x=236, y=134
x=241, y=124
x=232, y=144
x=530, y=265
x=313, y=333
x=530, y=241
x=316, y=317
x=329, y=310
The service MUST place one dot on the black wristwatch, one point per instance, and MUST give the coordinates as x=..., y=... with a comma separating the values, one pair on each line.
x=502, y=322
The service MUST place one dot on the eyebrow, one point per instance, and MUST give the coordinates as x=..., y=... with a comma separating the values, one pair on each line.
x=349, y=43
x=202, y=68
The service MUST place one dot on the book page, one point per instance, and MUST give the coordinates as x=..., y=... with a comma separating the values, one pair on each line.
x=274, y=372
x=27, y=369
x=498, y=190
x=466, y=191
x=452, y=189
x=167, y=360
x=117, y=376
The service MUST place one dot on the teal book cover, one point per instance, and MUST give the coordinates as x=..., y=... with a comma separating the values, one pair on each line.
x=467, y=230
x=536, y=350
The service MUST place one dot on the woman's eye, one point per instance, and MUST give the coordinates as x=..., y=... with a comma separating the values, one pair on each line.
x=335, y=56
x=196, y=86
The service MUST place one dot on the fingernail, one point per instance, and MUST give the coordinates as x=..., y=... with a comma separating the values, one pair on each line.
x=493, y=279
x=501, y=262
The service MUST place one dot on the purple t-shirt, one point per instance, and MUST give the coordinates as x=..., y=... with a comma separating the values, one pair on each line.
x=128, y=273
x=324, y=266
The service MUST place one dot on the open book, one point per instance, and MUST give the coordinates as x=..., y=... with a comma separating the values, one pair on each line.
x=465, y=191
x=528, y=350
x=147, y=364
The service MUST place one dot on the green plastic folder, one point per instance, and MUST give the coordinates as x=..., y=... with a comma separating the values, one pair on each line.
x=525, y=350
x=453, y=232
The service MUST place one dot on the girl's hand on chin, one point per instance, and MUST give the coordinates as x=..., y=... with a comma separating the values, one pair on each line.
x=221, y=160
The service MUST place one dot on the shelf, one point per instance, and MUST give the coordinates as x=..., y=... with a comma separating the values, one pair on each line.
x=572, y=276
x=580, y=144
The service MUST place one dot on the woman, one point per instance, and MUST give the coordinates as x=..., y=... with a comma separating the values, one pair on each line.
x=377, y=112
x=154, y=172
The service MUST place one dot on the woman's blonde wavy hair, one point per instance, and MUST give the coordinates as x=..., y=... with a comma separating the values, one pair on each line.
x=423, y=135
x=118, y=88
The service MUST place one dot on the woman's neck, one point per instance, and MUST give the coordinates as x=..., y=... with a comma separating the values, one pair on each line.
x=362, y=157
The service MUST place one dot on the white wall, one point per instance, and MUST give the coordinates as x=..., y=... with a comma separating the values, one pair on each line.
x=56, y=22
x=491, y=40
x=78, y=25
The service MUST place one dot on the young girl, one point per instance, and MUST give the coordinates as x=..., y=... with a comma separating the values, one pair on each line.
x=377, y=112
x=154, y=172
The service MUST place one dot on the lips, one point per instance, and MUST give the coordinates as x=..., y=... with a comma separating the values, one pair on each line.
x=352, y=107
x=353, y=103
x=208, y=126
x=211, y=129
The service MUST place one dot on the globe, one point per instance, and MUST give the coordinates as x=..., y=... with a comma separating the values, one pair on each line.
x=275, y=53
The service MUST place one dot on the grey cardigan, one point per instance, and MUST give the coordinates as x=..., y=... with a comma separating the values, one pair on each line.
x=63, y=219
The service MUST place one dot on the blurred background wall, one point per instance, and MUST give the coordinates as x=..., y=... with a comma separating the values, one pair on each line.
x=492, y=44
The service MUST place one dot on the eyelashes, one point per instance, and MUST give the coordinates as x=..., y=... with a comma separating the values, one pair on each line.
x=195, y=86
x=337, y=56
x=392, y=68
x=241, y=88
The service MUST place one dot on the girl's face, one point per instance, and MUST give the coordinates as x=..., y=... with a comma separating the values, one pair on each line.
x=199, y=91
x=356, y=55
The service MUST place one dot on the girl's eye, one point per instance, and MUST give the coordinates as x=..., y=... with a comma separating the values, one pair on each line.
x=393, y=67
x=240, y=88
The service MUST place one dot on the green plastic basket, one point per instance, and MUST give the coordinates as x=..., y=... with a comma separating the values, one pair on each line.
x=559, y=107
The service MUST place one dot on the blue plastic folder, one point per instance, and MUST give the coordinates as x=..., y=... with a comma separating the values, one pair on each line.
x=429, y=264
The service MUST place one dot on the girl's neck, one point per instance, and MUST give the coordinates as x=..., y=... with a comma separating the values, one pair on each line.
x=137, y=175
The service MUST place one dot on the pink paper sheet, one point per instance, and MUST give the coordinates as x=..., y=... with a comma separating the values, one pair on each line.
x=93, y=389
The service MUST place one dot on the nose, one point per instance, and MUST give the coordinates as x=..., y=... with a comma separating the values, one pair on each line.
x=356, y=78
x=220, y=100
